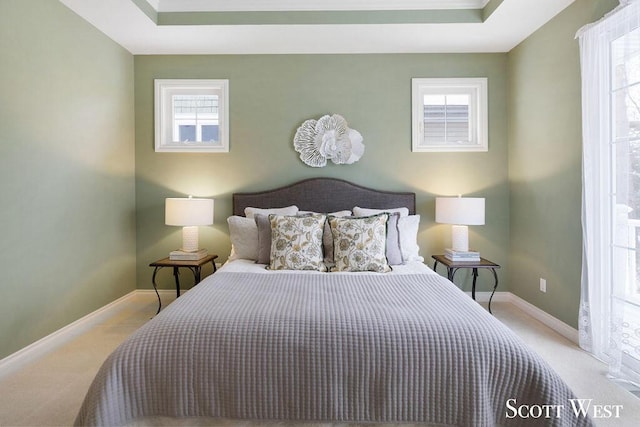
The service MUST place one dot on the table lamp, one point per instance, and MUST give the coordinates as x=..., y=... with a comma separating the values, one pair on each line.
x=188, y=213
x=461, y=212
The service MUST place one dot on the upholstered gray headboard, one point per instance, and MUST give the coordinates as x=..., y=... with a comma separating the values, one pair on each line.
x=324, y=195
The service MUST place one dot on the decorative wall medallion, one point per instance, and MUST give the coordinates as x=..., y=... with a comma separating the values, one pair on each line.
x=328, y=138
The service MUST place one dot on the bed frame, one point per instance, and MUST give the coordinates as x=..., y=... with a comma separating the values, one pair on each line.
x=302, y=337
x=324, y=195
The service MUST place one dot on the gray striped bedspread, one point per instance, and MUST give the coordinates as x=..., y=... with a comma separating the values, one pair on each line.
x=325, y=347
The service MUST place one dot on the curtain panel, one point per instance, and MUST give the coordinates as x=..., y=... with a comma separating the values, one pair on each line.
x=609, y=323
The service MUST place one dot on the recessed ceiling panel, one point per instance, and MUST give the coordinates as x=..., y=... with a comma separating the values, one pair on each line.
x=145, y=27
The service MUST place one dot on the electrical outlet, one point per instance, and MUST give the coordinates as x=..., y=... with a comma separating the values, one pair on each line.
x=543, y=285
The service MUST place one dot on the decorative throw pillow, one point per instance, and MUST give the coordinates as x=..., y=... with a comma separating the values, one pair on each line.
x=394, y=252
x=250, y=212
x=243, y=233
x=296, y=242
x=359, y=243
x=264, y=236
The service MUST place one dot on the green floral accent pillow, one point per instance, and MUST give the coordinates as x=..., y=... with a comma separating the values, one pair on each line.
x=359, y=243
x=296, y=242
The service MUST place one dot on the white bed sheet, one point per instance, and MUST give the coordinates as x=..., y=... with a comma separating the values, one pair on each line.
x=248, y=266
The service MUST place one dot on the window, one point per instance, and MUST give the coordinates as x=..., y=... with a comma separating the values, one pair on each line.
x=192, y=115
x=625, y=159
x=449, y=114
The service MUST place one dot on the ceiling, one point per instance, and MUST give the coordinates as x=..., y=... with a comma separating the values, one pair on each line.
x=316, y=26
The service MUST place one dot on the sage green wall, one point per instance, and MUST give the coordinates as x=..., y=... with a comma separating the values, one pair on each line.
x=66, y=170
x=271, y=95
x=545, y=149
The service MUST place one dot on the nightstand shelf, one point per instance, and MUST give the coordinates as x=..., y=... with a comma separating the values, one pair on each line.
x=454, y=266
x=194, y=266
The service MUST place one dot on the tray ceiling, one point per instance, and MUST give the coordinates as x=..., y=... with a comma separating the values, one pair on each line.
x=317, y=27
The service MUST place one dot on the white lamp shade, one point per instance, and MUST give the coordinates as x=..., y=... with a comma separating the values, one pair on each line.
x=460, y=210
x=188, y=211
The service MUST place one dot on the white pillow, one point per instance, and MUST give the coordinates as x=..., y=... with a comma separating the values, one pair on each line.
x=408, y=230
x=244, y=238
x=289, y=210
x=358, y=211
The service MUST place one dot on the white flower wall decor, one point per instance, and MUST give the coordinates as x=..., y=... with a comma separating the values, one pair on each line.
x=328, y=138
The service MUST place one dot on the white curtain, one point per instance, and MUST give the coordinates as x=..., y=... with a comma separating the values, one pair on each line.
x=610, y=303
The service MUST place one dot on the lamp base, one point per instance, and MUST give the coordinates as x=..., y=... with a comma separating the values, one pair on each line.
x=189, y=239
x=460, y=238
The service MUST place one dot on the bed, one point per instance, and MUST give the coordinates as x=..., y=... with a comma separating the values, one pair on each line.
x=255, y=345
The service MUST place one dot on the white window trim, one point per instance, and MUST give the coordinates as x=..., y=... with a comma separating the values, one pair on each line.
x=165, y=89
x=479, y=116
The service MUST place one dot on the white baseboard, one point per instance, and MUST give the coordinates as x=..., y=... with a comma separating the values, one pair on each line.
x=19, y=359
x=498, y=296
x=533, y=311
x=22, y=357
x=542, y=316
